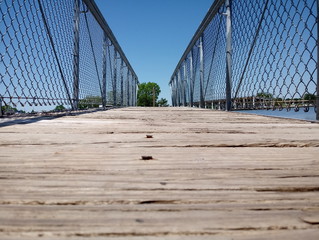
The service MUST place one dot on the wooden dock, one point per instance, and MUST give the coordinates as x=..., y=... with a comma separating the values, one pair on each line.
x=213, y=175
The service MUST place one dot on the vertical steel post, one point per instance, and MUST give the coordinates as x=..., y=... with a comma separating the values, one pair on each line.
x=174, y=92
x=132, y=90
x=178, y=90
x=122, y=82
x=228, y=55
x=191, y=79
x=135, y=91
x=184, y=84
x=201, y=82
x=115, y=79
x=128, y=88
x=171, y=85
x=1, y=113
x=104, y=70
x=180, y=87
x=317, y=97
x=76, y=56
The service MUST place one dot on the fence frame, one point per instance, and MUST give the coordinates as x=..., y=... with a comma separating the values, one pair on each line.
x=176, y=87
x=68, y=74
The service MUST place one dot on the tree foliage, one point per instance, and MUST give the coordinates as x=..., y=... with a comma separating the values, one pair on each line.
x=7, y=109
x=59, y=108
x=90, y=102
x=162, y=102
x=145, y=94
x=309, y=97
x=265, y=95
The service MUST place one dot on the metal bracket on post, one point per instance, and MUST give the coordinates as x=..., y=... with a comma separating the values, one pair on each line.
x=104, y=70
x=228, y=55
x=76, y=56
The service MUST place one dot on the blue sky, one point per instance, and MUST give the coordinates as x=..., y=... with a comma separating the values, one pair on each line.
x=154, y=33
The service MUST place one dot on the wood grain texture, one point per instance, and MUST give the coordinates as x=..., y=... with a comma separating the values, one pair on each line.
x=214, y=175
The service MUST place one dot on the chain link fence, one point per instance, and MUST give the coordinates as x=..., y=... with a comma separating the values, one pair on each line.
x=273, y=57
x=55, y=53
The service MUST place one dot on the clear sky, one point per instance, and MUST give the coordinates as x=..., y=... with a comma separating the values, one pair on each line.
x=154, y=33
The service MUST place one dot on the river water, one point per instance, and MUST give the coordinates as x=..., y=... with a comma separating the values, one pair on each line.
x=301, y=114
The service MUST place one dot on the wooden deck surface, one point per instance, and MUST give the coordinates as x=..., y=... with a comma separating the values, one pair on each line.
x=214, y=175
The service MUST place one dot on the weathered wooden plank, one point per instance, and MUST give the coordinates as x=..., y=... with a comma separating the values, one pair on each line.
x=213, y=174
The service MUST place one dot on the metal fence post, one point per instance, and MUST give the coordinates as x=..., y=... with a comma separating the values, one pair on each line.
x=191, y=79
x=135, y=91
x=104, y=70
x=317, y=97
x=201, y=81
x=76, y=51
x=115, y=79
x=132, y=91
x=1, y=113
x=122, y=79
x=180, y=87
x=128, y=88
x=228, y=55
x=177, y=91
x=184, y=85
x=171, y=85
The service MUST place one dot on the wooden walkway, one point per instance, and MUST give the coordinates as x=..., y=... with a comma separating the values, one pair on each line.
x=214, y=175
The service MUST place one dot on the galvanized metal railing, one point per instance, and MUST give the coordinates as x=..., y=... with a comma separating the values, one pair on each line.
x=61, y=53
x=250, y=54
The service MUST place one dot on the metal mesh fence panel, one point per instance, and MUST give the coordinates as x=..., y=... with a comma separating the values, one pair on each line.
x=274, y=56
x=59, y=54
x=91, y=44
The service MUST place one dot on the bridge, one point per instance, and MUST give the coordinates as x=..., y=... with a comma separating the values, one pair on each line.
x=159, y=173
x=99, y=167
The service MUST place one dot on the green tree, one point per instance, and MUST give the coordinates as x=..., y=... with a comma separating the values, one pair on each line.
x=90, y=102
x=59, y=108
x=265, y=95
x=309, y=97
x=145, y=94
x=162, y=102
x=7, y=109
